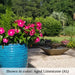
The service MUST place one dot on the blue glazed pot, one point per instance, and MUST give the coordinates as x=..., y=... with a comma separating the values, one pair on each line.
x=13, y=56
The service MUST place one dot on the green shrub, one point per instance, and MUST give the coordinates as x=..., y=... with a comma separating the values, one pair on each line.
x=41, y=19
x=29, y=20
x=71, y=44
x=69, y=30
x=73, y=23
x=6, y=19
x=50, y=26
x=70, y=20
x=2, y=8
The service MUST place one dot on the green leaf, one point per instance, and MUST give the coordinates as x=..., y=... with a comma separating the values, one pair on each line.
x=1, y=37
x=20, y=41
x=6, y=35
x=14, y=24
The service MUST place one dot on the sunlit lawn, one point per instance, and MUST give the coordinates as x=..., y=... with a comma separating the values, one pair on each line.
x=58, y=39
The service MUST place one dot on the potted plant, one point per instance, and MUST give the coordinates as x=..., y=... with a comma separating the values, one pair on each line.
x=13, y=43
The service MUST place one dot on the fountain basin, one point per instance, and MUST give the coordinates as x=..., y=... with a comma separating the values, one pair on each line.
x=54, y=51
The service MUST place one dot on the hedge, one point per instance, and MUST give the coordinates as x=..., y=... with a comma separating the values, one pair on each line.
x=50, y=26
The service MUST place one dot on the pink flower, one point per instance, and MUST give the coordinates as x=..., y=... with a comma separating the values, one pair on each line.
x=5, y=40
x=17, y=30
x=16, y=21
x=37, y=40
x=32, y=25
x=26, y=27
x=2, y=30
x=65, y=42
x=38, y=24
x=41, y=35
x=32, y=32
x=11, y=32
x=20, y=22
x=29, y=26
x=39, y=28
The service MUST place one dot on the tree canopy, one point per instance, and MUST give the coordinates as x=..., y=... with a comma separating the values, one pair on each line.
x=37, y=8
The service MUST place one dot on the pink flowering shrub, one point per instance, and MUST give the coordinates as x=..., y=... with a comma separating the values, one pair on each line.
x=65, y=42
x=21, y=32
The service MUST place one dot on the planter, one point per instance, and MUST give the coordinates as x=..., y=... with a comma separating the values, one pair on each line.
x=13, y=56
x=54, y=51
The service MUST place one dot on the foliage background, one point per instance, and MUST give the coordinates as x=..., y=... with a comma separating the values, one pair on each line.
x=32, y=9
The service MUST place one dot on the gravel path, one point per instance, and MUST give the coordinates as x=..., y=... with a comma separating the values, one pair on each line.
x=38, y=59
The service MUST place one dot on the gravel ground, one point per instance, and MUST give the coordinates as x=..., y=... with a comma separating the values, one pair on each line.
x=38, y=59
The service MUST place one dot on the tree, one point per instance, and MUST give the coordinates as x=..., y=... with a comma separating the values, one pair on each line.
x=37, y=8
x=4, y=4
x=60, y=16
x=30, y=8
